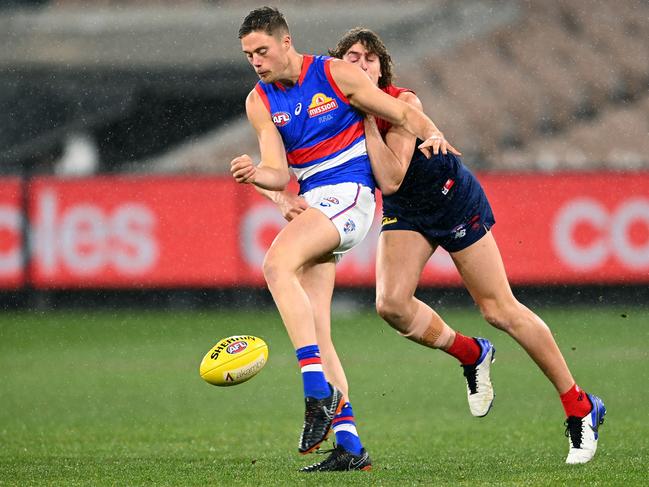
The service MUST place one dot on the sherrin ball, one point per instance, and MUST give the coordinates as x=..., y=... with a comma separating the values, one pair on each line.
x=234, y=360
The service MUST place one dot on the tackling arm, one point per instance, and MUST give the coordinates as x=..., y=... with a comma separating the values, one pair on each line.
x=390, y=159
x=365, y=96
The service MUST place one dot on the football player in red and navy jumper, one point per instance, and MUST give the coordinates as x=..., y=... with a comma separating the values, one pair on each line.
x=438, y=202
x=306, y=111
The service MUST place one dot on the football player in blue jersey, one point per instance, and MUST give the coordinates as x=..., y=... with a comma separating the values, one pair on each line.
x=437, y=202
x=307, y=112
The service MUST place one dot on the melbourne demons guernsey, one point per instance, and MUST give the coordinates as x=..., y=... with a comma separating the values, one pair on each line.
x=429, y=184
x=323, y=134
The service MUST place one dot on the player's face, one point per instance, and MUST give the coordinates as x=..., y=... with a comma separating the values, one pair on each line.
x=267, y=54
x=367, y=61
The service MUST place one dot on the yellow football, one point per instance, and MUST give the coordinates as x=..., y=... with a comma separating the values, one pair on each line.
x=234, y=360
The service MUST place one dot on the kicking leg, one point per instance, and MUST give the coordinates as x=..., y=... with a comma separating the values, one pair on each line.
x=307, y=238
x=318, y=282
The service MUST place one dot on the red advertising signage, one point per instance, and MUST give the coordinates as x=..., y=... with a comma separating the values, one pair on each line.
x=143, y=232
x=572, y=228
x=134, y=232
x=12, y=273
x=551, y=229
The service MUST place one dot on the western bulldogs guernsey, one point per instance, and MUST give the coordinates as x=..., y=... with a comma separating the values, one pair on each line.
x=323, y=134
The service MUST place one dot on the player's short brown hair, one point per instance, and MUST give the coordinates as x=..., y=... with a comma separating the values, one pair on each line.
x=373, y=43
x=265, y=19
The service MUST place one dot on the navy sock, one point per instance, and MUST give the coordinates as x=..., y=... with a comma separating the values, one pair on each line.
x=345, y=428
x=313, y=379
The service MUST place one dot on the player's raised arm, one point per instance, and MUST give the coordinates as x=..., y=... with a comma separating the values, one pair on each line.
x=272, y=172
x=365, y=96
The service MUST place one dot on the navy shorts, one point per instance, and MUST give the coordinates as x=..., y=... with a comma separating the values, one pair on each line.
x=442, y=200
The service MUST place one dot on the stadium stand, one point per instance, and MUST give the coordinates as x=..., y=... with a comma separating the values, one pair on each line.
x=159, y=85
x=558, y=86
x=566, y=88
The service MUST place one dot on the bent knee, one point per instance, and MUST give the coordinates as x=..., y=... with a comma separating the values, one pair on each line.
x=273, y=268
x=510, y=316
x=390, y=308
x=500, y=315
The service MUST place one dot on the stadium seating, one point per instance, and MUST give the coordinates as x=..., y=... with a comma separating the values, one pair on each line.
x=560, y=88
x=515, y=85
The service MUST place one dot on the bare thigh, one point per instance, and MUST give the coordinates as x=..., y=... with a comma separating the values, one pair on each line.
x=483, y=271
x=308, y=237
x=400, y=259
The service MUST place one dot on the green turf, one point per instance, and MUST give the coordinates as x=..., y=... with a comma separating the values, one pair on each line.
x=115, y=399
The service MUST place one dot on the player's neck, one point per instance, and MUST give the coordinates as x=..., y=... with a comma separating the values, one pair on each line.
x=293, y=70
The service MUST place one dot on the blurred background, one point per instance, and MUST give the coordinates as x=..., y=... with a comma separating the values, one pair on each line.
x=127, y=250
x=118, y=121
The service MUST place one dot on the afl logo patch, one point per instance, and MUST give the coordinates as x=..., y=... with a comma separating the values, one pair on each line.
x=237, y=347
x=281, y=118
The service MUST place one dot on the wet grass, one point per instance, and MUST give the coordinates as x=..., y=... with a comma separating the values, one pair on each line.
x=115, y=398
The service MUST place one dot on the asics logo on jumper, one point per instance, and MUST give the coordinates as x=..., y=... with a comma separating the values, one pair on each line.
x=298, y=109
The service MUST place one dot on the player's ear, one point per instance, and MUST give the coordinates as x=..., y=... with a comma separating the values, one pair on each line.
x=287, y=42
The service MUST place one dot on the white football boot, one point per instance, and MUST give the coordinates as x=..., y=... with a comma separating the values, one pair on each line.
x=480, y=391
x=583, y=433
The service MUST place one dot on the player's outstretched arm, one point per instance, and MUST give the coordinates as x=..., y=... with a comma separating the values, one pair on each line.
x=272, y=172
x=365, y=96
x=390, y=159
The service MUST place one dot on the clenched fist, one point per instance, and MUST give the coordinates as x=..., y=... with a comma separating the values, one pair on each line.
x=243, y=169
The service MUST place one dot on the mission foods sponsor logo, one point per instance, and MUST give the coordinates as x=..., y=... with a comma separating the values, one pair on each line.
x=321, y=103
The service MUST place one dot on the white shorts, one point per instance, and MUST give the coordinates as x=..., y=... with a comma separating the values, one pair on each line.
x=349, y=206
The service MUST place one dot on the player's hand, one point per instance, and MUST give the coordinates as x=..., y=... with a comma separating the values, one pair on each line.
x=243, y=169
x=436, y=143
x=290, y=204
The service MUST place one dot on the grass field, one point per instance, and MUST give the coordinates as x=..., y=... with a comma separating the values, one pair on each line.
x=115, y=399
